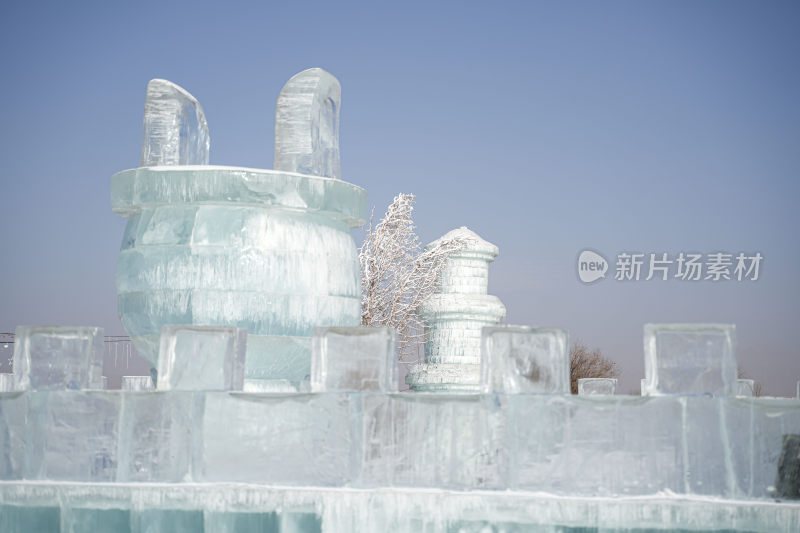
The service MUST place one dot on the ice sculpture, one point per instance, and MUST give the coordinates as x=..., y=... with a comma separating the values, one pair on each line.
x=209, y=251
x=690, y=358
x=175, y=128
x=520, y=359
x=265, y=250
x=58, y=358
x=597, y=386
x=455, y=315
x=307, y=125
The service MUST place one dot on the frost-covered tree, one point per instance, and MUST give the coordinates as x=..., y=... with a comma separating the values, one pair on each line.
x=397, y=276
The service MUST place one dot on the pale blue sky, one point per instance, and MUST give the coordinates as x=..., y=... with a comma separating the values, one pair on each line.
x=546, y=127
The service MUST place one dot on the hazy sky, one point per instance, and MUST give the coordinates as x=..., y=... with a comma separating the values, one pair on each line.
x=546, y=127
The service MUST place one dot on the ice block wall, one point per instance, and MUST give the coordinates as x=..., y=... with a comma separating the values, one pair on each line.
x=353, y=431
x=210, y=458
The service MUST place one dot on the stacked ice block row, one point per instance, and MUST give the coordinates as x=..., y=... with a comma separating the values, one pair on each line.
x=524, y=431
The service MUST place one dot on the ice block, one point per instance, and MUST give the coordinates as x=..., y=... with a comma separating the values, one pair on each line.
x=58, y=358
x=355, y=358
x=201, y=358
x=518, y=359
x=690, y=359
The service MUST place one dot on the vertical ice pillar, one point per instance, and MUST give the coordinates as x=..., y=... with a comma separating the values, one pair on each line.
x=519, y=359
x=201, y=358
x=455, y=316
x=307, y=124
x=175, y=128
x=6, y=382
x=643, y=387
x=745, y=387
x=690, y=359
x=355, y=358
x=58, y=357
x=597, y=386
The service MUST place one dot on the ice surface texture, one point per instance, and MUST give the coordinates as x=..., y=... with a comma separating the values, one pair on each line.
x=307, y=124
x=175, y=128
x=597, y=386
x=561, y=444
x=690, y=358
x=58, y=358
x=263, y=250
x=358, y=358
x=201, y=358
x=519, y=359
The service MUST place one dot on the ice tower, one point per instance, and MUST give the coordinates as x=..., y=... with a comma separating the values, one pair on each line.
x=265, y=250
x=455, y=315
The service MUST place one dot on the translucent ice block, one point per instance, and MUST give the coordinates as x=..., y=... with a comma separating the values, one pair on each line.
x=105, y=382
x=355, y=358
x=643, y=387
x=201, y=358
x=611, y=445
x=597, y=386
x=242, y=522
x=519, y=359
x=83, y=520
x=58, y=357
x=156, y=431
x=765, y=423
x=283, y=439
x=690, y=358
x=745, y=387
x=432, y=440
x=175, y=128
x=307, y=124
x=137, y=383
x=25, y=518
x=73, y=436
x=6, y=382
x=167, y=521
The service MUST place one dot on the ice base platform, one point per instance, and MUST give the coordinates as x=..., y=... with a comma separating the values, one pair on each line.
x=372, y=461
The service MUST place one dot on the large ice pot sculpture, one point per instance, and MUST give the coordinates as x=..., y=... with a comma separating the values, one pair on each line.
x=266, y=250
